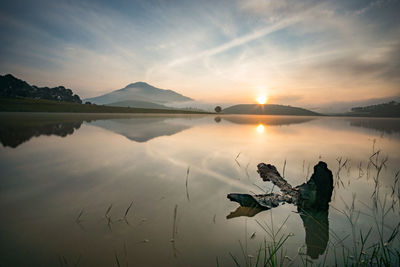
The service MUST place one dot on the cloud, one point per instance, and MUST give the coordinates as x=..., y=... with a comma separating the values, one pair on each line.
x=370, y=6
x=277, y=10
x=384, y=63
x=215, y=51
x=235, y=42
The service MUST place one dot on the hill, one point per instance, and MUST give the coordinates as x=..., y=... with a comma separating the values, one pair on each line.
x=11, y=87
x=268, y=109
x=390, y=109
x=338, y=107
x=140, y=91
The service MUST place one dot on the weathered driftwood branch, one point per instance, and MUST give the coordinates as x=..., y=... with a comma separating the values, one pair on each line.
x=315, y=193
x=268, y=172
x=266, y=201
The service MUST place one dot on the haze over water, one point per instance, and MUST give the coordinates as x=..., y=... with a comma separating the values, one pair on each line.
x=56, y=166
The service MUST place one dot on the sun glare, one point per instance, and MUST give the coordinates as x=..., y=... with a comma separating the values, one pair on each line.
x=262, y=99
x=260, y=128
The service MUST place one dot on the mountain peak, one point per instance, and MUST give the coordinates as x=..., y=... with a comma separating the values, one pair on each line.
x=138, y=84
x=140, y=91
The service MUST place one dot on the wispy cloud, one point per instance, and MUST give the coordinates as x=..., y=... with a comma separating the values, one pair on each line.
x=236, y=42
x=297, y=51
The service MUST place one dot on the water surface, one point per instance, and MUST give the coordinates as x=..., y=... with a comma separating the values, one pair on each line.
x=55, y=167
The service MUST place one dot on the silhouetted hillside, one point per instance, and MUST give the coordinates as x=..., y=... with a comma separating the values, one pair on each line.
x=268, y=109
x=391, y=109
x=11, y=87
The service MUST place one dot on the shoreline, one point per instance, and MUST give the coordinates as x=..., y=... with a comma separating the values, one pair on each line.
x=29, y=105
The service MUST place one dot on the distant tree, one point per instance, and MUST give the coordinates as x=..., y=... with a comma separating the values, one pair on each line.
x=218, y=109
x=88, y=103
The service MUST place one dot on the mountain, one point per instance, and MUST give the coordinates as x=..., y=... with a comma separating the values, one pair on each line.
x=140, y=91
x=391, y=109
x=138, y=104
x=268, y=109
x=345, y=106
x=11, y=87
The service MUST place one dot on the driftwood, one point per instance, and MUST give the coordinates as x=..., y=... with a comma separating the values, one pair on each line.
x=315, y=193
x=311, y=198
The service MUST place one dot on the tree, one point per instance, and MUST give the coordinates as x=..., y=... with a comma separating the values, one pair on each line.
x=218, y=109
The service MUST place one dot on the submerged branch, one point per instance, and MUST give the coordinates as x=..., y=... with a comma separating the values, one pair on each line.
x=268, y=172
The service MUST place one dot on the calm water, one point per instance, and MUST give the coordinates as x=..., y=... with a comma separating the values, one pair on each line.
x=54, y=167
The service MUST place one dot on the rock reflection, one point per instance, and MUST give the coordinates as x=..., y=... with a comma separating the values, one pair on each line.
x=311, y=198
x=316, y=225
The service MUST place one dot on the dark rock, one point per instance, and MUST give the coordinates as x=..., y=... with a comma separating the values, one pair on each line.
x=317, y=192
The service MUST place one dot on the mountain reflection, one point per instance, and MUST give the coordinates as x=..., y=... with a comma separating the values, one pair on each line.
x=383, y=125
x=143, y=129
x=16, y=129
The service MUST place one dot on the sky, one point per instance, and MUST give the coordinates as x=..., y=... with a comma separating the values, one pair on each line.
x=294, y=52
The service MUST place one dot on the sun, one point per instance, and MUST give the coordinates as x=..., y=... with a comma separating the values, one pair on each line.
x=262, y=99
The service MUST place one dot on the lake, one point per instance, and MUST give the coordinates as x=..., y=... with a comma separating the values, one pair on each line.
x=68, y=180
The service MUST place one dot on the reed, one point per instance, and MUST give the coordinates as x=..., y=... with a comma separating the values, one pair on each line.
x=236, y=159
x=376, y=245
x=78, y=219
x=127, y=210
x=186, y=184
x=174, y=225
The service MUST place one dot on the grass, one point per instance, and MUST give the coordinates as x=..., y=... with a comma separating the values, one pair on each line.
x=384, y=251
x=174, y=225
x=41, y=105
x=78, y=219
x=375, y=245
x=127, y=210
x=187, y=183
